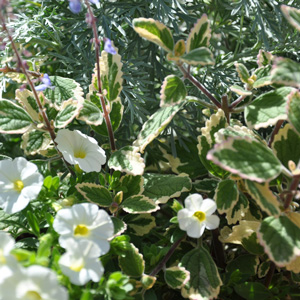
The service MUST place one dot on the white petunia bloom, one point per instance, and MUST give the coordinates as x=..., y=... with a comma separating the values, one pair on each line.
x=32, y=283
x=20, y=182
x=84, y=221
x=80, y=149
x=197, y=215
x=81, y=262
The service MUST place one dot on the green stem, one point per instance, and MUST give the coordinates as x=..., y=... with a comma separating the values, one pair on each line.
x=226, y=108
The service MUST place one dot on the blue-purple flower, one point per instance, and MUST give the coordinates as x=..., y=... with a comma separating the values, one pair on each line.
x=75, y=5
x=108, y=47
x=46, y=83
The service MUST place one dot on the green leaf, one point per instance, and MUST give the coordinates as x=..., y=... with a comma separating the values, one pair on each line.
x=95, y=193
x=204, y=280
x=286, y=145
x=131, y=261
x=199, y=35
x=292, y=15
x=286, y=71
x=128, y=160
x=226, y=195
x=200, y=56
x=90, y=113
x=243, y=72
x=263, y=81
x=293, y=110
x=139, y=205
x=33, y=222
x=206, y=185
x=13, y=118
x=33, y=141
x=116, y=115
x=119, y=226
x=264, y=58
x=247, y=264
x=176, y=277
x=253, y=291
x=155, y=32
x=160, y=188
x=110, y=74
x=267, y=109
x=27, y=100
x=68, y=111
x=65, y=88
x=236, y=156
x=131, y=185
x=240, y=91
x=140, y=224
x=179, y=48
x=172, y=91
x=280, y=238
x=251, y=244
x=264, y=197
x=238, y=211
x=155, y=125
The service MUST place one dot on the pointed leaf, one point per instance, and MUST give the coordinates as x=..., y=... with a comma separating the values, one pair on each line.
x=199, y=35
x=280, y=238
x=176, y=277
x=240, y=91
x=155, y=32
x=95, y=193
x=160, y=188
x=236, y=156
x=69, y=110
x=90, y=113
x=155, y=125
x=179, y=48
x=172, y=91
x=131, y=185
x=200, y=56
x=27, y=100
x=293, y=110
x=139, y=205
x=267, y=109
x=34, y=141
x=243, y=72
x=263, y=81
x=127, y=160
x=13, y=118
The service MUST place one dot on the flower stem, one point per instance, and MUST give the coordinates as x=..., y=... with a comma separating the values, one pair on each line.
x=275, y=131
x=237, y=101
x=226, y=108
x=8, y=69
x=270, y=274
x=293, y=187
x=105, y=112
x=196, y=83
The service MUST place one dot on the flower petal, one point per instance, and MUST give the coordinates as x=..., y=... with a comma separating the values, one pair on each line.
x=212, y=222
x=184, y=218
x=208, y=206
x=196, y=229
x=193, y=202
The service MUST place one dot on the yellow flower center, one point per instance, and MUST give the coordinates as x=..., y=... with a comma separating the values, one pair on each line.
x=81, y=230
x=77, y=266
x=18, y=185
x=200, y=215
x=2, y=257
x=33, y=295
x=80, y=154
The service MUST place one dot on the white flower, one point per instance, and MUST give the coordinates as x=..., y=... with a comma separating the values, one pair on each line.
x=32, y=283
x=80, y=149
x=84, y=221
x=197, y=215
x=20, y=182
x=81, y=262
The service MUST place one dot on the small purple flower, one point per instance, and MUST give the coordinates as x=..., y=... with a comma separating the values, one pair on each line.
x=75, y=6
x=94, y=1
x=108, y=47
x=46, y=83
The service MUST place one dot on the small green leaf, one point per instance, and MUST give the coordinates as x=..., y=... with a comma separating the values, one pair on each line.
x=13, y=118
x=204, y=280
x=286, y=71
x=292, y=15
x=251, y=244
x=119, y=226
x=236, y=156
x=95, y=193
x=206, y=185
x=131, y=261
x=267, y=109
x=140, y=224
x=33, y=141
x=263, y=81
x=127, y=160
x=176, y=277
x=139, y=205
x=90, y=114
x=240, y=91
x=286, y=145
x=293, y=110
x=243, y=72
x=280, y=238
x=253, y=291
x=179, y=48
x=172, y=91
x=247, y=264
x=238, y=211
x=199, y=35
x=155, y=125
x=200, y=56
x=68, y=111
x=160, y=188
x=155, y=32
x=264, y=58
x=27, y=100
x=131, y=185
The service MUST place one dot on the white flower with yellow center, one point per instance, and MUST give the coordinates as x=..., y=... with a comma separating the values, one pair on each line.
x=197, y=215
x=81, y=262
x=84, y=221
x=20, y=182
x=32, y=283
x=80, y=149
